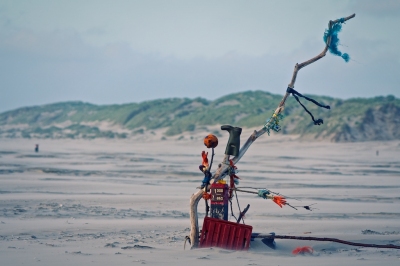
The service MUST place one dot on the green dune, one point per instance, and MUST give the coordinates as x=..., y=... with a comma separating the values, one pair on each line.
x=357, y=119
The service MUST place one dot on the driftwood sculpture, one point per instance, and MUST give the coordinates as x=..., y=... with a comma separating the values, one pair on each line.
x=330, y=38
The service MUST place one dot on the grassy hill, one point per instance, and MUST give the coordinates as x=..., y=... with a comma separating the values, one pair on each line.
x=359, y=119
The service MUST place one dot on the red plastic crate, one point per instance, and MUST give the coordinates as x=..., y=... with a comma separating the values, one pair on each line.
x=224, y=234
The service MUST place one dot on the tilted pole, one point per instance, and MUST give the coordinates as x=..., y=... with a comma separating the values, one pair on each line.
x=222, y=170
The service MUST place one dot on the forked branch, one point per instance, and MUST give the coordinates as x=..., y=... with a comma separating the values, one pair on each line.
x=222, y=171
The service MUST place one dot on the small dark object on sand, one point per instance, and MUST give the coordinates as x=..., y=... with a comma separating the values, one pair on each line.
x=137, y=247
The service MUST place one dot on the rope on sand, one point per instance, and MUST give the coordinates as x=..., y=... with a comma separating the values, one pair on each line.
x=326, y=239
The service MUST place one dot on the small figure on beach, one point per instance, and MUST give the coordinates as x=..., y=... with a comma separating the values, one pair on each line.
x=377, y=152
x=36, y=147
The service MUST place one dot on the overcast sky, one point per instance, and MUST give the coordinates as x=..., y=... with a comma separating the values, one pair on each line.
x=107, y=52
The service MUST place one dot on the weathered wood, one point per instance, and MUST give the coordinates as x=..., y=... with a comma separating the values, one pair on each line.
x=322, y=54
x=326, y=239
x=222, y=170
x=194, y=220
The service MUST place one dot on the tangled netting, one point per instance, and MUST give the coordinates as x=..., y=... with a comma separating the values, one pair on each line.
x=333, y=46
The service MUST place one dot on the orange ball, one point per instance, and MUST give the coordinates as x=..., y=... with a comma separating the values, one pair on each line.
x=211, y=141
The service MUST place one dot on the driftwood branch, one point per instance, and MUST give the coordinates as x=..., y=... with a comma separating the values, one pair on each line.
x=327, y=239
x=222, y=170
x=194, y=219
x=312, y=60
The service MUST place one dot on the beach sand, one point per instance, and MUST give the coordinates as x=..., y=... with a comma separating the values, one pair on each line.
x=126, y=202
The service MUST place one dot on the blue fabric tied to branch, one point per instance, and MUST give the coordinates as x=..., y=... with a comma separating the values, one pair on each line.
x=263, y=193
x=333, y=46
